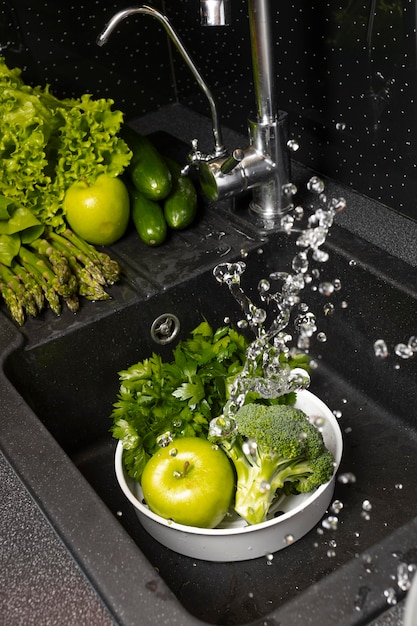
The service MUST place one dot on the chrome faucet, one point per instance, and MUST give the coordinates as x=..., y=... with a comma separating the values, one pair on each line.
x=219, y=149
x=263, y=166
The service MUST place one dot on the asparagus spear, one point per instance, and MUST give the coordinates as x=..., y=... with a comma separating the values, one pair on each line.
x=69, y=250
x=23, y=295
x=56, y=258
x=51, y=295
x=109, y=267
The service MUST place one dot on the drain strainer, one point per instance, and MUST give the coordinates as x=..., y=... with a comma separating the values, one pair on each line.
x=165, y=328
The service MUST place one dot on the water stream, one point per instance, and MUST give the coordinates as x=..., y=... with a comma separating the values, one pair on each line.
x=271, y=345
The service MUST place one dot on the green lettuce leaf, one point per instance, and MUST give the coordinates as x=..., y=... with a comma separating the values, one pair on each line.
x=46, y=144
x=9, y=248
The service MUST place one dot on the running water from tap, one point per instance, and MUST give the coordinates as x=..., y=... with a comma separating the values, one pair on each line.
x=270, y=348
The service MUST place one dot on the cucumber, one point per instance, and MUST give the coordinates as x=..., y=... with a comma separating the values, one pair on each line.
x=180, y=207
x=148, y=218
x=148, y=170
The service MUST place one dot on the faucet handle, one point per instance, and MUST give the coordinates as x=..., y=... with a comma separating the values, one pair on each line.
x=234, y=159
x=196, y=157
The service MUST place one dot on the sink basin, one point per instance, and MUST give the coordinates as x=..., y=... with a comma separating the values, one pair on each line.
x=59, y=381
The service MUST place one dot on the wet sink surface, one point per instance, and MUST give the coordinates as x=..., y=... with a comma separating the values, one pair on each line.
x=66, y=372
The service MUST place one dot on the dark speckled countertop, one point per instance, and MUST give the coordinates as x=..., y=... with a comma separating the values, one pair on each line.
x=40, y=582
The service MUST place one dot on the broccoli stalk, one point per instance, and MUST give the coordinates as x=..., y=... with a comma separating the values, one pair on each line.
x=275, y=449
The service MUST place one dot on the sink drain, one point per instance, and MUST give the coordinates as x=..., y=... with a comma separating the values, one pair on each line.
x=165, y=328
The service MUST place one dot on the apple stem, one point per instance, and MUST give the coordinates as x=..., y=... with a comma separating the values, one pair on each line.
x=184, y=471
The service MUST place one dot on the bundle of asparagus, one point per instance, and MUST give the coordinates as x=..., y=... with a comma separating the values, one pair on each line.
x=53, y=269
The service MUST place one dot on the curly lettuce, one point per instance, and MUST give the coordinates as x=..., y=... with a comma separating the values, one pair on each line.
x=46, y=144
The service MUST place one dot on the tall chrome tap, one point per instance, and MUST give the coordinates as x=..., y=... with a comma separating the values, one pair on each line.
x=264, y=165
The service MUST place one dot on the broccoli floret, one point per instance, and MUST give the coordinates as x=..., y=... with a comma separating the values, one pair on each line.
x=274, y=448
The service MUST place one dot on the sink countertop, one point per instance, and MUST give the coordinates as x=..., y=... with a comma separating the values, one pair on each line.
x=40, y=581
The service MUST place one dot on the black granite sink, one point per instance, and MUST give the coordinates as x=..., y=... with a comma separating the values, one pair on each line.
x=60, y=380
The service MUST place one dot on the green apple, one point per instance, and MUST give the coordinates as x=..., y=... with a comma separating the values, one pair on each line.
x=191, y=481
x=99, y=211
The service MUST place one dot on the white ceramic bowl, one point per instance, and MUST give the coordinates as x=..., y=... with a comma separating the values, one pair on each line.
x=234, y=539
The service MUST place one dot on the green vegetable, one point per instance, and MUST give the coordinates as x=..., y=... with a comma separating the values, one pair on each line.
x=46, y=144
x=273, y=449
x=148, y=170
x=180, y=207
x=148, y=219
x=50, y=269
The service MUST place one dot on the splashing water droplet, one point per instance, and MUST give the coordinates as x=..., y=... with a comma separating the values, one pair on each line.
x=287, y=222
x=328, y=308
x=346, y=478
x=331, y=522
x=337, y=284
x=337, y=413
x=336, y=506
x=322, y=337
x=289, y=539
x=380, y=349
x=315, y=184
x=300, y=262
x=289, y=189
x=404, y=578
x=173, y=452
x=264, y=286
x=390, y=596
x=298, y=213
x=403, y=351
x=326, y=288
x=412, y=343
x=293, y=145
x=321, y=256
x=366, y=505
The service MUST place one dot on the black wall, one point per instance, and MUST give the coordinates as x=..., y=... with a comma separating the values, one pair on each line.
x=346, y=73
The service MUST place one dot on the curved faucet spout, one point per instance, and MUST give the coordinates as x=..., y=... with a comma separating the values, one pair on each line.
x=147, y=10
